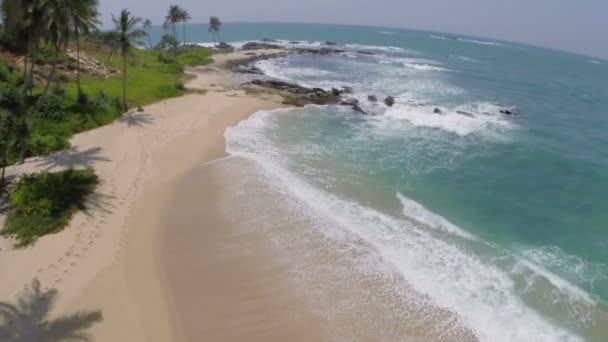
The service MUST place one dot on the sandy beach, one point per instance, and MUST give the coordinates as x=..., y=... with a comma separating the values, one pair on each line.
x=102, y=262
x=184, y=243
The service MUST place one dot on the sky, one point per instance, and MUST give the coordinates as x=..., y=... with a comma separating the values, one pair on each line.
x=572, y=25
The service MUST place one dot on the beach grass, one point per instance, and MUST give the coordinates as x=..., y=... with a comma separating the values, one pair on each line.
x=43, y=203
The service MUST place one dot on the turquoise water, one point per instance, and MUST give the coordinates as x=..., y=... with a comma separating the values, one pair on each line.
x=501, y=219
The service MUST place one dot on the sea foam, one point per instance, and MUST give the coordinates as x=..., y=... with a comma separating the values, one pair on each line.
x=482, y=294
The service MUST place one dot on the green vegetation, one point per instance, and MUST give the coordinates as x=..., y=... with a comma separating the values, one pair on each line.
x=43, y=203
x=215, y=25
x=48, y=93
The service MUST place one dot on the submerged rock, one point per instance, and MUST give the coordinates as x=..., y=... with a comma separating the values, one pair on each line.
x=437, y=111
x=389, y=101
x=372, y=98
x=347, y=90
x=336, y=91
x=365, y=53
x=506, y=111
x=330, y=43
x=294, y=94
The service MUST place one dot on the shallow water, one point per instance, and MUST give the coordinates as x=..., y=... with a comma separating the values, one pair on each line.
x=498, y=218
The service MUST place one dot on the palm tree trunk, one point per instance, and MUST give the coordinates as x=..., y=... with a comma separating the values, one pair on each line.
x=124, y=83
x=52, y=74
x=149, y=40
x=2, y=177
x=77, y=63
x=184, y=32
x=218, y=36
x=29, y=76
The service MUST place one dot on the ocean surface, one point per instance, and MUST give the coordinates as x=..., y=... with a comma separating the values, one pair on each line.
x=499, y=219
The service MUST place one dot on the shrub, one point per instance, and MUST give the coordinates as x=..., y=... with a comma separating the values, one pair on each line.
x=180, y=86
x=10, y=97
x=59, y=91
x=44, y=203
x=83, y=98
x=45, y=144
x=49, y=107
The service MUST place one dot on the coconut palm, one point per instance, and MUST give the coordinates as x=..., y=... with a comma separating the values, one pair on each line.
x=215, y=24
x=57, y=26
x=83, y=15
x=25, y=19
x=147, y=23
x=173, y=17
x=128, y=35
x=185, y=17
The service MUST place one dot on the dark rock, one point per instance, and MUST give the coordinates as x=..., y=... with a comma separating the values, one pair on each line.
x=331, y=43
x=269, y=40
x=321, y=51
x=350, y=102
x=297, y=95
x=506, y=111
x=372, y=98
x=294, y=42
x=365, y=53
x=336, y=91
x=437, y=111
x=250, y=53
x=224, y=46
x=140, y=109
x=347, y=90
x=358, y=109
x=461, y=112
x=260, y=46
x=389, y=101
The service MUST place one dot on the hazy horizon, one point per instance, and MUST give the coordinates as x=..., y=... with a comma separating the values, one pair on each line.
x=557, y=24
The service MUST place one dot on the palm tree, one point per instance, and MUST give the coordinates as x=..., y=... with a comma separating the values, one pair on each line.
x=57, y=26
x=185, y=17
x=173, y=17
x=128, y=35
x=26, y=19
x=215, y=24
x=83, y=15
x=146, y=26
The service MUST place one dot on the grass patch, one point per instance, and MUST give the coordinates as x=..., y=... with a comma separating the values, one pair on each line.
x=152, y=75
x=44, y=203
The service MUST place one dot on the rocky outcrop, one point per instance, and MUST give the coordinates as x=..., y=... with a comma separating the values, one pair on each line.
x=88, y=65
x=331, y=43
x=372, y=98
x=294, y=94
x=321, y=51
x=260, y=46
x=506, y=112
x=361, y=52
x=389, y=101
x=224, y=46
x=437, y=111
x=354, y=104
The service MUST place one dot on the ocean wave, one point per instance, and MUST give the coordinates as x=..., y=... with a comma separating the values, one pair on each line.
x=572, y=266
x=593, y=61
x=464, y=58
x=452, y=277
x=466, y=40
x=424, y=67
x=416, y=211
x=461, y=120
x=387, y=32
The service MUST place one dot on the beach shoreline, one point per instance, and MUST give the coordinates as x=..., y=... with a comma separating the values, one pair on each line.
x=101, y=259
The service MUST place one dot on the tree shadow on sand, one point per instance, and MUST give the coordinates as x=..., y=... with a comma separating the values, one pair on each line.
x=136, y=119
x=73, y=158
x=28, y=319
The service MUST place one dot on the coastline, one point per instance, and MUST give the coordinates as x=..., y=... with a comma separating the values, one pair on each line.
x=102, y=260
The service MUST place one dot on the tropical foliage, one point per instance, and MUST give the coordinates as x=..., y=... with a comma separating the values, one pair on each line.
x=128, y=35
x=215, y=25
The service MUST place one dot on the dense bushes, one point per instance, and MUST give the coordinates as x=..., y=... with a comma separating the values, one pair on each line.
x=43, y=203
